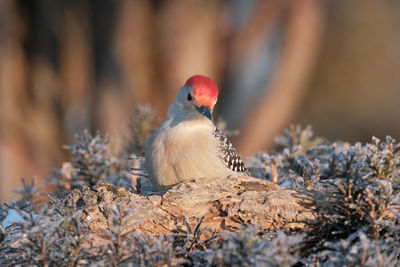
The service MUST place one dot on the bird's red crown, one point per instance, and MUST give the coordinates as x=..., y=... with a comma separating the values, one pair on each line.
x=205, y=91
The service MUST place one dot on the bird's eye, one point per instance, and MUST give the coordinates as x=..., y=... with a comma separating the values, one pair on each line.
x=189, y=97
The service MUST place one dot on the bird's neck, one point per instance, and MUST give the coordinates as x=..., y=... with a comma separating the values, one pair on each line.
x=181, y=113
x=178, y=116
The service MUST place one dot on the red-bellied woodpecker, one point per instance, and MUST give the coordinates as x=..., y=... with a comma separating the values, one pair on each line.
x=187, y=144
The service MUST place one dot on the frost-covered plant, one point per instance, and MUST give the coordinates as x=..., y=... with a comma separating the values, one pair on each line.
x=149, y=250
x=364, y=189
x=289, y=163
x=29, y=199
x=356, y=250
x=55, y=239
x=52, y=236
x=353, y=186
x=295, y=139
x=90, y=164
x=248, y=247
x=192, y=245
x=118, y=235
x=126, y=247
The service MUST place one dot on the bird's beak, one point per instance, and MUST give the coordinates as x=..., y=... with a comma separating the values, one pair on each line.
x=204, y=110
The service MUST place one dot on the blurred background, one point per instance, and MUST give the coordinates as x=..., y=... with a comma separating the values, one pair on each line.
x=68, y=65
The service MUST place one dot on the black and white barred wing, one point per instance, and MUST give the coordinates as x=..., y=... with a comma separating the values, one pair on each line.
x=228, y=153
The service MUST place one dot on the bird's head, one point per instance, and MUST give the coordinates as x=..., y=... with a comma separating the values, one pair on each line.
x=199, y=94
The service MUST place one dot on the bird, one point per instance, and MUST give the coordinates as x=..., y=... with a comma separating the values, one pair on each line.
x=187, y=145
